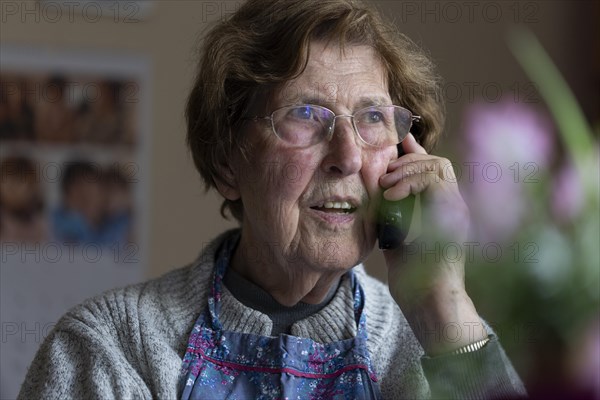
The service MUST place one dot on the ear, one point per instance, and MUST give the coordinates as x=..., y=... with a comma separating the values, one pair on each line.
x=227, y=183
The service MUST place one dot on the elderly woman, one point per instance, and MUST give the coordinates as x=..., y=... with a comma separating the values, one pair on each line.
x=294, y=118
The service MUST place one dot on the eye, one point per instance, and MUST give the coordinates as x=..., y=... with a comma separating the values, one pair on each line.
x=374, y=116
x=303, y=113
x=371, y=116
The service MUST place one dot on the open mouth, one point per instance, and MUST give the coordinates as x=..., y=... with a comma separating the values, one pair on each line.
x=340, y=207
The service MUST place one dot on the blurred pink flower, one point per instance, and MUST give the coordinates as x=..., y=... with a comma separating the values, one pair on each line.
x=567, y=194
x=497, y=208
x=508, y=132
x=508, y=145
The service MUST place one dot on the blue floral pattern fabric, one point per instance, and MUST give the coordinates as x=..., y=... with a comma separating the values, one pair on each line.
x=220, y=364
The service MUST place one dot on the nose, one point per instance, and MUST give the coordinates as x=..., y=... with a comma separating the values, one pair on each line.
x=344, y=155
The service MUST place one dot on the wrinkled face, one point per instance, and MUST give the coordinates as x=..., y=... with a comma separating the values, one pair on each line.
x=314, y=207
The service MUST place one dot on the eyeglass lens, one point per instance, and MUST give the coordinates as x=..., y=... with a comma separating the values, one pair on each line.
x=308, y=125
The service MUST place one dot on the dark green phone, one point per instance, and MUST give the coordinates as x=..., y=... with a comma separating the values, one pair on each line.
x=394, y=218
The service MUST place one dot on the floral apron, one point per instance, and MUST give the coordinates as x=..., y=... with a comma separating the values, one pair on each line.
x=220, y=364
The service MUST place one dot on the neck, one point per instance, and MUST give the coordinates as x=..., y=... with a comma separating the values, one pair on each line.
x=288, y=283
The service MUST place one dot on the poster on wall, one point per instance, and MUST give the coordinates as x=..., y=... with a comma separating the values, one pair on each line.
x=74, y=144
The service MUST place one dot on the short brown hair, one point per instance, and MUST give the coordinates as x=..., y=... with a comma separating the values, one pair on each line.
x=266, y=43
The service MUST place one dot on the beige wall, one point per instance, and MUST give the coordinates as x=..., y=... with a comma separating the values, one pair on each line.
x=469, y=49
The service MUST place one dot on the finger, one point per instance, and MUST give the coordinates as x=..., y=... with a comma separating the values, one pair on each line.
x=408, y=158
x=399, y=170
x=411, y=184
x=410, y=145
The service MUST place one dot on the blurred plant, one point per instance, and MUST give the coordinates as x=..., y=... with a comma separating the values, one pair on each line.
x=540, y=283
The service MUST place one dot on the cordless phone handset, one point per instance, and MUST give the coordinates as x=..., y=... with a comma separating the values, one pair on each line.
x=394, y=218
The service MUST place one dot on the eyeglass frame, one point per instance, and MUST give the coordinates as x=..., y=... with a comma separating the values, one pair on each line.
x=329, y=136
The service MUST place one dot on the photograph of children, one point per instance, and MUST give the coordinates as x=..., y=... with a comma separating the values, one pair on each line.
x=64, y=109
x=16, y=112
x=95, y=206
x=22, y=217
x=86, y=125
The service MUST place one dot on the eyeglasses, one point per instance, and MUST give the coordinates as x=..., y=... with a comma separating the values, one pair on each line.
x=306, y=125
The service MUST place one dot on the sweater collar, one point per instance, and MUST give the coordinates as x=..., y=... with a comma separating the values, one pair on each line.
x=335, y=321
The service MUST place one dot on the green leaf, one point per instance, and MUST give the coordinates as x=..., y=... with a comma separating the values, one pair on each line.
x=576, y=133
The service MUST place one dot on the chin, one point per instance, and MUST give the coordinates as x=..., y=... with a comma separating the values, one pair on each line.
x=339, y=258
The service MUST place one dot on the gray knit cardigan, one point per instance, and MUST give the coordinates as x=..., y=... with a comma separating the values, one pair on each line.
x=129, y=343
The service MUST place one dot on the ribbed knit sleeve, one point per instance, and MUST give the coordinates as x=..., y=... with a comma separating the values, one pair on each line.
x=482, y=374
x=405, y=371
x=84, y=358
